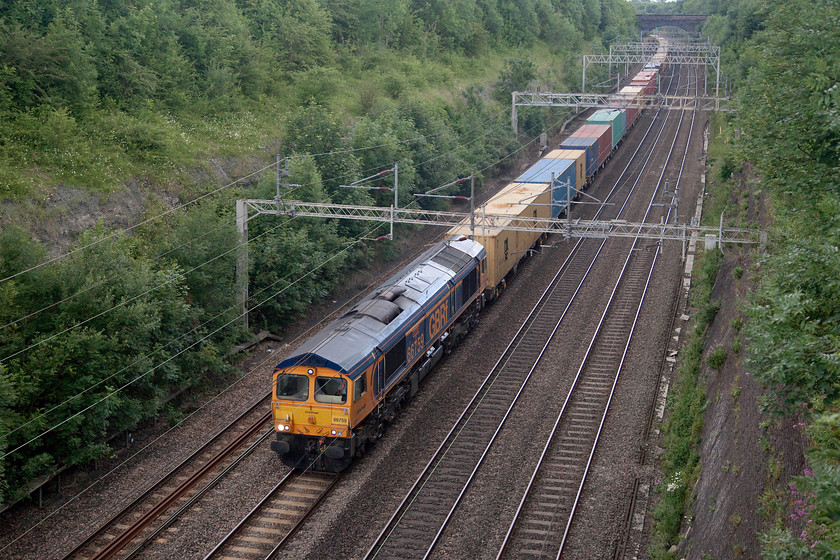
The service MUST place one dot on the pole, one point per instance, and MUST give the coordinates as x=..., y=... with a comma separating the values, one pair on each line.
x=569, y=205
x=396, y=197
x=583, y=88
x=513, y=117
x=242, y=258
x=472, y=205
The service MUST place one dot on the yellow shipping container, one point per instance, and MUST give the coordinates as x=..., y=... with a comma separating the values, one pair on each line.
x=505, y=248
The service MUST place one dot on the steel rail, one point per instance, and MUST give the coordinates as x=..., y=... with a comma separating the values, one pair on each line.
x=377, y=546
x=627, y=199
x=146, y=519
x=251, y=513
x=171, y=519
x=308, y=502
x=629, y=338
x=573, y=390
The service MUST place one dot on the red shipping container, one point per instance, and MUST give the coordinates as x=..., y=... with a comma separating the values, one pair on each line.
x=603, y=132
x=646, y=79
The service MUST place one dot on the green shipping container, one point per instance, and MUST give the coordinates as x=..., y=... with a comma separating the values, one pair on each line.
x=613, y=117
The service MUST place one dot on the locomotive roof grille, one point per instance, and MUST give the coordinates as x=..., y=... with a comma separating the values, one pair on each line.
x=392, y=292
x=452, y=258
x=382, y=310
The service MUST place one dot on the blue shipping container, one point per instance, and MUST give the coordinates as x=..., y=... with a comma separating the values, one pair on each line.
x=563, y=171
x=616, y=118
x=591, y=147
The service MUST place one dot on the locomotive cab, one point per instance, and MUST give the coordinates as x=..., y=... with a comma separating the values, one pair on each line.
x=312, y=418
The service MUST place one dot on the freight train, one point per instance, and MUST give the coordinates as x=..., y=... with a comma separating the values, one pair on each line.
x=334, y=395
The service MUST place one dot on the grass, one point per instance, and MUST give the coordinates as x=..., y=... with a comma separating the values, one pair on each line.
x=684, y=424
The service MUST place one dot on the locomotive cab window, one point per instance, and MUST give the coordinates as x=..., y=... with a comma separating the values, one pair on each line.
x=359, y=387
x=292, y=387
x=331, y=390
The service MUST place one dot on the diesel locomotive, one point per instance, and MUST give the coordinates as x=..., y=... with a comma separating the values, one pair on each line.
x=334, y=395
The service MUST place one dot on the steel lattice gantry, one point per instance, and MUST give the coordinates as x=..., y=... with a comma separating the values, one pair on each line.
x=587, y=100
x=569, y=228
x=483, y=221
x=632, y=53
x=701, y=55
x=676, y=49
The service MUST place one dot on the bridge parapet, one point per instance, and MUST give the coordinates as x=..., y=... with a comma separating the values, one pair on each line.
x=690, y=23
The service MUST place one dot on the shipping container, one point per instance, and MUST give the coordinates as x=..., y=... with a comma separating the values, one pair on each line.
x=579, y=157
x=646, y=79
x=613, y=117
x=505, y=248
x=631, y=95
x=562, y=171
x=590, y=146
x=603, y=132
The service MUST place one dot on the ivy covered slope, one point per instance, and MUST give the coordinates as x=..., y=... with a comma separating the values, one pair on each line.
x=785, y=56
x=146, y=104
x=792, y=134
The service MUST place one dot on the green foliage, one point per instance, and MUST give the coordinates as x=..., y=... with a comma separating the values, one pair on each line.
x=680, y=463
x=110, y=96
x=815, y=501
x=122, y=324
x=783, y=56
x=716, y=356
x=792, y=334
x=515, y=76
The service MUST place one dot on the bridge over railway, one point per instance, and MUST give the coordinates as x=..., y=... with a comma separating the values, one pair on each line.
x=690, y=23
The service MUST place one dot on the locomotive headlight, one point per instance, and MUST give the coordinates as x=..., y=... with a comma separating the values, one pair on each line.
x=283, y=427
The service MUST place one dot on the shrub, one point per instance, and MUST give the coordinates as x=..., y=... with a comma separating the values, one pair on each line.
x=716, y=357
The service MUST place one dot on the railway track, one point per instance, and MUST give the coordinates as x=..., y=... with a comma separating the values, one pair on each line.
x=132, y=528
x=415, y=528
x=543, y=520
x=277, y=517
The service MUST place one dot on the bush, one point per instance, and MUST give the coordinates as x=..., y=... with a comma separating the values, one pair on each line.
x=716, y=357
